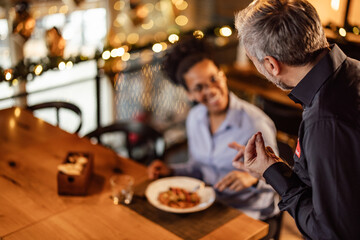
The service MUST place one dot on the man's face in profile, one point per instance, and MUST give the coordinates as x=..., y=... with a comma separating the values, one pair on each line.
x=261, y=69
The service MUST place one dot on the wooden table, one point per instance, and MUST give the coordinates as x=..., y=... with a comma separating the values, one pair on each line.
x=30, y=207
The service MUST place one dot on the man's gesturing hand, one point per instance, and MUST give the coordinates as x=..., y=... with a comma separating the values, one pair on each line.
x=257, y=157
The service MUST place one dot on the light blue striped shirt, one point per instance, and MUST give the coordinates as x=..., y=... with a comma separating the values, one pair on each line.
x=210, y=158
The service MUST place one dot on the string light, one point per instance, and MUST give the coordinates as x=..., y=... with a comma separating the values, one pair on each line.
x=342, y=32
x=181, y=5
x=15, y=82
x=356, y=30
x=164, y=46
x=157, y=47
x=125, y=57
x=225, y=31
x=173, y=38
x=106, y=55
x=148, y=25
x=172, y=35
x=52, y=10
x=132, y=38
x=181, y=20
x=61, y=66
x=198, y=34
x=8, y=75
x=38, y=69
x=64, y=9
x=119, y=5
x=69, y=65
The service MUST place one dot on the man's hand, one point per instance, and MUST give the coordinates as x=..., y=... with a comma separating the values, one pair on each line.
x=257, y=157
x=236, y=181
x=158, y=169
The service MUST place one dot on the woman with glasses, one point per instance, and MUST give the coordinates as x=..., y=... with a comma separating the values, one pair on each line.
x=220, y=118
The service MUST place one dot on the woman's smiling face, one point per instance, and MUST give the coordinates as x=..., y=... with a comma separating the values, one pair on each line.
x=207, y=85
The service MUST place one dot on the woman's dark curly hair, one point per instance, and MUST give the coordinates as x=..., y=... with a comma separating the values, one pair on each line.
x=183, y=55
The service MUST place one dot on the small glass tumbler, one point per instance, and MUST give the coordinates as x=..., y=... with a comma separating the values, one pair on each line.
x=122, y=188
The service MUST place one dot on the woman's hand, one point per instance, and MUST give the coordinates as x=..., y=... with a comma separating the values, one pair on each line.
x=158, y=169
x=236, y=181
x=237, y=161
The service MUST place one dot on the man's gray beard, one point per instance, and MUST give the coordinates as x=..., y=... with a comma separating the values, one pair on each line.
x=282, y=85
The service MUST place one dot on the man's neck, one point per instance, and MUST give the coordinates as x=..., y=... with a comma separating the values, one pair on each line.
x=292, y=75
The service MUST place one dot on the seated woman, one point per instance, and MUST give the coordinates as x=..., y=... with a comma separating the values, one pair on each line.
x=218, y=119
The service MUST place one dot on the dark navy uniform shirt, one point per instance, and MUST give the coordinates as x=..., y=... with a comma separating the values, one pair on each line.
x=322, y=191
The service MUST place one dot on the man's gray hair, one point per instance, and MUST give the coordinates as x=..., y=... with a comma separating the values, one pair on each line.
x=288, y=30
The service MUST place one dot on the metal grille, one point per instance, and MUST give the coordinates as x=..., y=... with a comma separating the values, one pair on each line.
x=147, y=91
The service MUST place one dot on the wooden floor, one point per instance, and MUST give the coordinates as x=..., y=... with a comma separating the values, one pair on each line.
x=289, y=230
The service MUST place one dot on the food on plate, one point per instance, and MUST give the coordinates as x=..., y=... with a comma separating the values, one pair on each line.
x=179, y=198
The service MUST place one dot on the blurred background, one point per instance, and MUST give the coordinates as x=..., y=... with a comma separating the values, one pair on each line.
x=104, y=56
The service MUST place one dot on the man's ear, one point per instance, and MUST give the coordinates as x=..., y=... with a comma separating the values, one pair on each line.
x=272, y=65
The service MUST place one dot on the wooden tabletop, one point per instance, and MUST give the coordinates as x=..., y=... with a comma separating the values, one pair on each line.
x=30, y=207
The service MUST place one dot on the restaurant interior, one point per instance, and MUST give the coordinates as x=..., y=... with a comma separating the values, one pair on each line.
x=84, y=78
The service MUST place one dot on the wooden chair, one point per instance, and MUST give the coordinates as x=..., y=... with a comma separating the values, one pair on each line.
x=142, y=142
x=58, y=105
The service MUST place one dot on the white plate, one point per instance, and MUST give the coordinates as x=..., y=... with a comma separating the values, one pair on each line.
x=207, y=194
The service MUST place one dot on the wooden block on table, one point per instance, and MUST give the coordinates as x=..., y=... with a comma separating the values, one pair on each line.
x=76, y=185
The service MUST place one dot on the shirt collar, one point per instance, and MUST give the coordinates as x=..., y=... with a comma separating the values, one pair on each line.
x=305, y=91
x=232, y=116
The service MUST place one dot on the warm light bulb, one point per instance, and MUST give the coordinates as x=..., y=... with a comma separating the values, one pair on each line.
x=64, y=9
x=198, y=34
x=181, y=20
x=125, y=57
x=106, y=55
x=148, y=25
x=69, y=65
x=164, y=46
x=225, y=31
x=181, y=5
x=356, y=30
x=15, y=82
x=157, y=47
x=132, y=38
x=342, y=32
x=173, y=38
x=8, y=76
x=119, y=5
x=38, y=69
x=61, y=66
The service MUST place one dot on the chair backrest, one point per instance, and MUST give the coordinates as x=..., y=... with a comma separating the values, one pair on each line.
x=286, y=118
x=286, y=145
x=142, y=142
x=57, y=106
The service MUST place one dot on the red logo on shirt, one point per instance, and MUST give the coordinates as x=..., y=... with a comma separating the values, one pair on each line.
x=297, y=150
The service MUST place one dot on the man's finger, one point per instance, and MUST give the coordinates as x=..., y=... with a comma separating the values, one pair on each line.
x=260, y=145
x=250, y=149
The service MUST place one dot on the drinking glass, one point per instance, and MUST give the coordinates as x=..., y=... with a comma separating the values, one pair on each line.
x=122, y=188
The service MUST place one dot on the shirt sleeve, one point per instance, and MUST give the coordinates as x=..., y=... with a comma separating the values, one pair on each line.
x=329, y=208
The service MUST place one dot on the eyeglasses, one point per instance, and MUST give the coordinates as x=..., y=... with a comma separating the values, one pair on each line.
x=214, y=79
